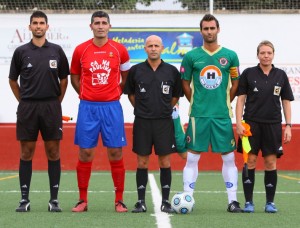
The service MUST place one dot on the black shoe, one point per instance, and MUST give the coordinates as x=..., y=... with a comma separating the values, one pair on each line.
x=53, y=206
x=24, y=206
x=139, y=207
x=166, y=207
x=234, y=207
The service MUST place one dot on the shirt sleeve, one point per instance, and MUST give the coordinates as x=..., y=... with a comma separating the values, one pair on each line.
x=75, y=63
x=234, y=69
x=177, y=92
x=125, y=59
x=243, y=83
x=15, y=66
x=186, y=68
x=130, y=85
x=64, y=70
x=287, y=93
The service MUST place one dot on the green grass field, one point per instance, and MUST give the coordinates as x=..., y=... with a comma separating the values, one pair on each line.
x=209, y=211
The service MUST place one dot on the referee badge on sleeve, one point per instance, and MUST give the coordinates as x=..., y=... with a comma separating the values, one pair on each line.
x=277, y=90
x=53, y=63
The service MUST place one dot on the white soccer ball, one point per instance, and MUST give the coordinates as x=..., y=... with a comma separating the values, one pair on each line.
x=183, y=202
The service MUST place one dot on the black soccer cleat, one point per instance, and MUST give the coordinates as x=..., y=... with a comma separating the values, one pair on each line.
x=53, y=206
x=24, y=206
x=139, y=207
x=234, y=207
x=166, y=207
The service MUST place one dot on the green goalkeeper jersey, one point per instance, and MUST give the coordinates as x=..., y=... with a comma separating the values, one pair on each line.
x=210, y=75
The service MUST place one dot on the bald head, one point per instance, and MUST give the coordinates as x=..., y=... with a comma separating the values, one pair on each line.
x=153, y=38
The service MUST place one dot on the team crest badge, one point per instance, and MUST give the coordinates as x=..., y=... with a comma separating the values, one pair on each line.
x=223, y=61
x=188, y=139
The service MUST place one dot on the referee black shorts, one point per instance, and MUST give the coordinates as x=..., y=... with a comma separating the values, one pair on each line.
x=153, y=132
x=39, y=115
x=266, y=137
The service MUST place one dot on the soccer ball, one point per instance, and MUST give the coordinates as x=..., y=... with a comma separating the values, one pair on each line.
x=183, y=202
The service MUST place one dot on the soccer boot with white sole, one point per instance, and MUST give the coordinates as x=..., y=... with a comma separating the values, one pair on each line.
x=24, y=206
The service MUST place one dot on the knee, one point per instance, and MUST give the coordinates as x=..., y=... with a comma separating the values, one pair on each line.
x=143, y=163
x=115, y=154
x=164, y=163
x=270, y=162
x=53, y=155
x=192, y=159
x=251, y=162
x=86, y=155
x=228, y=159
x=26, y=155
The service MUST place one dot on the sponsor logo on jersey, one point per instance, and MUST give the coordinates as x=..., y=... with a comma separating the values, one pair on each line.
x=210, y=77
x=100, y=72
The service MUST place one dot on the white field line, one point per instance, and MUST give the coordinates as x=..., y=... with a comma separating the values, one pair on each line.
x=162, y=219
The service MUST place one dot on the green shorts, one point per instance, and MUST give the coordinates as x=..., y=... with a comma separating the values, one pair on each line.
x=204, y=132
x=179, y=136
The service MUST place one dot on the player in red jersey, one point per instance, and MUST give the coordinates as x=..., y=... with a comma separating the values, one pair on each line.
x=99, y=70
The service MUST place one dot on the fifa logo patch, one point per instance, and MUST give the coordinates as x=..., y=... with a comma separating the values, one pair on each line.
x=53, y=64
x=277, y=90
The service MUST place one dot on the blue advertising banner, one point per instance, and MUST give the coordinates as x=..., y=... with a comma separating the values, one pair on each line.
x=177, y=41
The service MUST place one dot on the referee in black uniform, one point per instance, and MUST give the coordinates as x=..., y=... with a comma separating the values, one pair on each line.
x=262, y=90
x=43, y=70
x=153, y=88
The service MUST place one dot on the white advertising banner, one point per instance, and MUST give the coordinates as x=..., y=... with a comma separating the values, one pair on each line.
x=239, y=33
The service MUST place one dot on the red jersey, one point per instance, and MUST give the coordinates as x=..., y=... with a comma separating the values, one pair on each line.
x=100, y=70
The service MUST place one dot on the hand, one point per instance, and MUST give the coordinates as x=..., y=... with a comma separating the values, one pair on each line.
x=287, y=135
x=240, y=130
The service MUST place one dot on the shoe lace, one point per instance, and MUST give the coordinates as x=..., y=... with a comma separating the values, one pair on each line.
x=121, y=203
x=54, y=203
x=79, y=202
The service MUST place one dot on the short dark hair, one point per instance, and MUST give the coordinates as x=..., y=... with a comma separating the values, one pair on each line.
x=209, y=17
x=38, y=14
x=100, y=14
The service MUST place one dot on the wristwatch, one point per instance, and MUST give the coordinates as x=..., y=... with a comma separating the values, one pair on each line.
x=288, y=124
